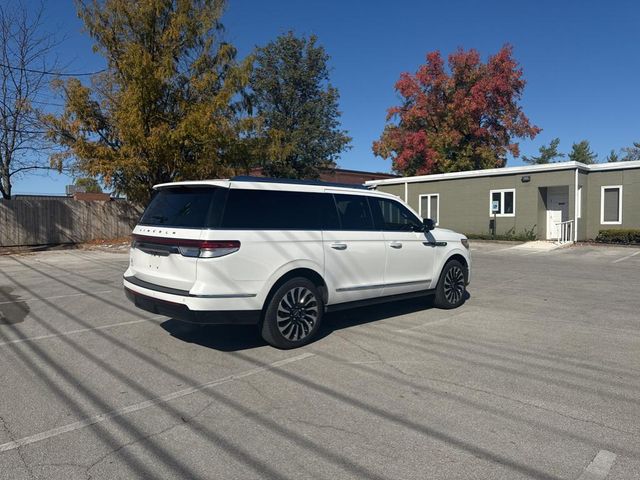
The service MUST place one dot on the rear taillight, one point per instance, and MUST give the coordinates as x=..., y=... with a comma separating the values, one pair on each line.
x=188, y=247
x=210, y=248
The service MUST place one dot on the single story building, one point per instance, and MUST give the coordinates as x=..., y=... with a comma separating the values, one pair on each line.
x=339, y=175
x=567, y=199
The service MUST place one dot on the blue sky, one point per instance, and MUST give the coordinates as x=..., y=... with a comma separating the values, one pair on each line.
x=580, y=60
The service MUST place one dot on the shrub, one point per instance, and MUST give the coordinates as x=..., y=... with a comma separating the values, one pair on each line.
x=625, y=236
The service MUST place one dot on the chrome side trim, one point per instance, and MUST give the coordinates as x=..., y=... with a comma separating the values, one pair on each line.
x=228, y=295
x=435, y=244
x=182, y=293
x=359, y=287
x=382, y=285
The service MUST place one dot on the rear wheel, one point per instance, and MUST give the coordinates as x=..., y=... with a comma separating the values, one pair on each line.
x=452, y=286
x=293, y=314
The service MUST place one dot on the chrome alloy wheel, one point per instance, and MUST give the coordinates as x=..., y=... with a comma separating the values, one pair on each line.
x=454, y=285
x=297, y=313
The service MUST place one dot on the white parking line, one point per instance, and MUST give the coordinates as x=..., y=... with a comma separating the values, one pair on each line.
x=34, y=299
x=432, y=322
x=536, y=252
x=504, y=249
x=599, y=467
x=626, y=257
x=80, y=330
x=142, y=405
x=374, y=362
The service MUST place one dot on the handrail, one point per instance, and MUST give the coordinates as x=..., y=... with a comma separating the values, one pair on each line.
x=565, y=232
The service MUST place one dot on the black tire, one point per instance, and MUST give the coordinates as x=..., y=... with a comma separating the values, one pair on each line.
x=451, y=291
x=293, y=315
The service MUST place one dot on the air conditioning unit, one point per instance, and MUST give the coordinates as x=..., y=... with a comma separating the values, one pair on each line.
x=71, y=190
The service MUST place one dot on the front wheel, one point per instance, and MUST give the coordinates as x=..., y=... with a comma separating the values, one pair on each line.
x=451, y=290
x=293, y=314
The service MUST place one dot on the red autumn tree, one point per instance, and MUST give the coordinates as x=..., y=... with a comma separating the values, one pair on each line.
x=462, y=119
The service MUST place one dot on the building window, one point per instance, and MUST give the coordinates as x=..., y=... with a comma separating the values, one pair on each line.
x=611, y=205
x=506, y=202
x=430, y=207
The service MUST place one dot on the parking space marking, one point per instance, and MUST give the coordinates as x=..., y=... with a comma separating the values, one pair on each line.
x=34, y=299
x=599, y=467
x=499, y=250
x=432, y=322
x=146, y=404
x=375, y=362
x=536, y=252
x=627, y=257
x=80, y=330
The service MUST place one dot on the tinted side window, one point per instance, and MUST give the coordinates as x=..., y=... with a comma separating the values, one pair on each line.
x=185, y=207
x=354, y=212
x=392, y=216
x=277, y=210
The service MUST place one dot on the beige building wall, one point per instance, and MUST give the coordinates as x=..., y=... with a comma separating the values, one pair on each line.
x=464, y=203
x=630, y=181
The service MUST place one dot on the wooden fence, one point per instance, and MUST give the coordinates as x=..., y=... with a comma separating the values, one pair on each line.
x=36, y=220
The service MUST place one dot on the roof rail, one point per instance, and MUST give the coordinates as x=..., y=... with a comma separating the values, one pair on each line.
x=293, y=181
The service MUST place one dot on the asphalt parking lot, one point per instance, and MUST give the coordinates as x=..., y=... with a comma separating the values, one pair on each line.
x=536, y=376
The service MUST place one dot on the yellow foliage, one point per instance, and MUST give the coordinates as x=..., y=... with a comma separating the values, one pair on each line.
x=166, y=107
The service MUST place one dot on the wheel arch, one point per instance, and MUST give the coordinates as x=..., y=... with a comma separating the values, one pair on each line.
x=454, y=255
x=304, y=272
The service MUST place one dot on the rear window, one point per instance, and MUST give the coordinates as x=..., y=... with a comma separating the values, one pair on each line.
x=185, y=207
x=279, y=210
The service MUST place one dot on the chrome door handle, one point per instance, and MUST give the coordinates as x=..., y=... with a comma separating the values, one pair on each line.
x=395, y=245
x=339, y=246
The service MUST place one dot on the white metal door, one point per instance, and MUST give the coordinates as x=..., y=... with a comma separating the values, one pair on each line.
x=557, y=210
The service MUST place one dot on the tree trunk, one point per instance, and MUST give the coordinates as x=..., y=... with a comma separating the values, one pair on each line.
x=6, y=188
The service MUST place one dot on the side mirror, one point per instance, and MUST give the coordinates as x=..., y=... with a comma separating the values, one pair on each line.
x=428, y=224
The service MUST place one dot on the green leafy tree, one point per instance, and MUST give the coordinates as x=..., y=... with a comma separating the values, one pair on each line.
x=631, y=153
x=298, y=108
x=165, y=108
x=581, y=152
x=613, y=157
x=547, y=154
x=89, y=184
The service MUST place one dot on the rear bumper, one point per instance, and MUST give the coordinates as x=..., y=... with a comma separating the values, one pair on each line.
x=175, y=306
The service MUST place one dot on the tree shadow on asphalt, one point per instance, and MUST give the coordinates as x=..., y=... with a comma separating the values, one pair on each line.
x=12, y=309
x=231, y=338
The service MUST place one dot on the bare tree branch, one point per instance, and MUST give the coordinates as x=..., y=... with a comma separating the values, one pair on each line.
x=25, y=66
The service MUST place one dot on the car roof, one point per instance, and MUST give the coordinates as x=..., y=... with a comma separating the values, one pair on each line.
x=259, y=183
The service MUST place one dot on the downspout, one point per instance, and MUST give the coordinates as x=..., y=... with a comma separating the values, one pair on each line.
x=576, y=194
x=406, y=192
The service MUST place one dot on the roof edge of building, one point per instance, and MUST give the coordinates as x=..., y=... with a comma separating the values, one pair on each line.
x=490, y=172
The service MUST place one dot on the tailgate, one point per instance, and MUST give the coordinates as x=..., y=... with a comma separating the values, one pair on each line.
x=157, y=259
x=175, y=219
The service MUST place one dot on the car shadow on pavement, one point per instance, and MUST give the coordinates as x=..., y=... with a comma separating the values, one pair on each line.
x=231, y=338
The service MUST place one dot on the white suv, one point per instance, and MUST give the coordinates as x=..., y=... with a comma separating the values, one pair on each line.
x=281, y=253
